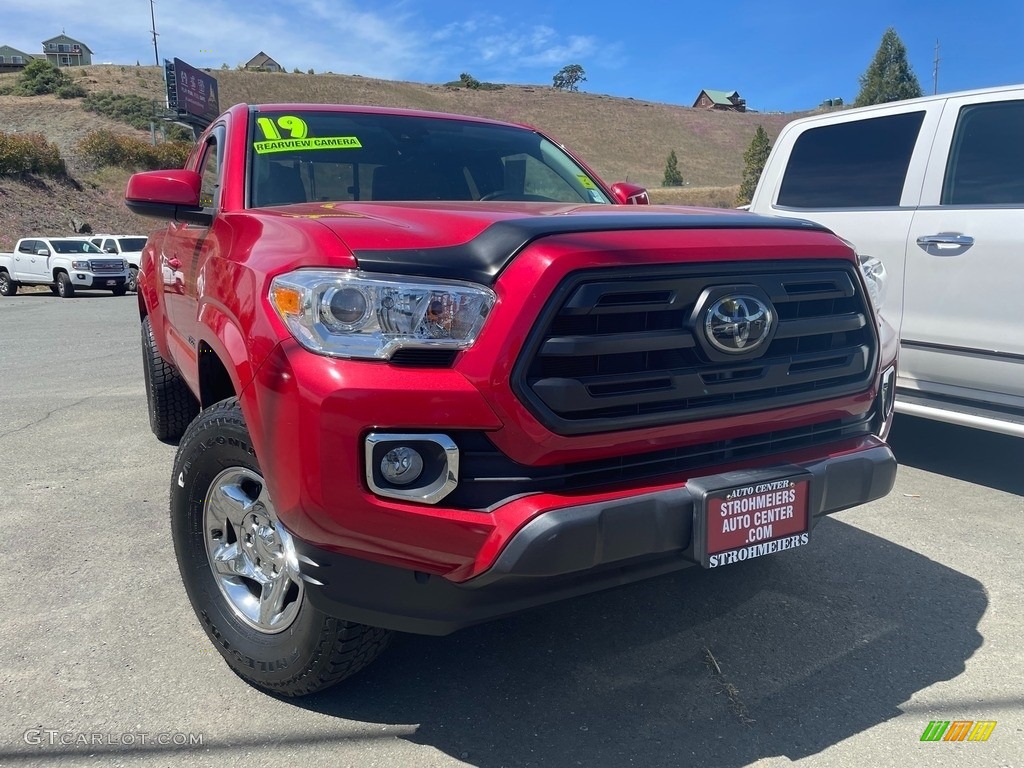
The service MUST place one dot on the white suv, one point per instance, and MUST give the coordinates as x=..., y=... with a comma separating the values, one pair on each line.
x=128, y=247
x=934, y=188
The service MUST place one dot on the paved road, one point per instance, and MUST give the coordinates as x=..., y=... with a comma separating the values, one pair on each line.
x=838, y=654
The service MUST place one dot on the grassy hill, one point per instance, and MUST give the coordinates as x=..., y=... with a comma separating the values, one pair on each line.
x=624, y=139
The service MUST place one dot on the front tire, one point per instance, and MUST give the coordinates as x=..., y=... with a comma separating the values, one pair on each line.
x=241, y=572
x=7, y=286
x=133, y=279
x=170, y=402
x=65, y=288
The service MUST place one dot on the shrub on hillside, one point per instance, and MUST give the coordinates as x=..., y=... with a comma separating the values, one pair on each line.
x=129, y=108
x=108, y=148
x=71, y=91
x=29, y=153
x=39, y=77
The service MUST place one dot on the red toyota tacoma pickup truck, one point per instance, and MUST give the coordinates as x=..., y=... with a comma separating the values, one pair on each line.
x=428, y=370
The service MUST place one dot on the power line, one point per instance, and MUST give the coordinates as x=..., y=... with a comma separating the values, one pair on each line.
x=935, y=71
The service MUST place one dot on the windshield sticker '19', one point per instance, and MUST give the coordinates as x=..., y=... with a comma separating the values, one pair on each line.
x=298, y=138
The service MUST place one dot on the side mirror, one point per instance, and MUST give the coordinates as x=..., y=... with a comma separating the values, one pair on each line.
x=172, y=194
x=630, y=194
x=110, y=249
x=42, y=252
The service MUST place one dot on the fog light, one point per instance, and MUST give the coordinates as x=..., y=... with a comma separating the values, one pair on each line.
x=414, y=467
x=401, y=466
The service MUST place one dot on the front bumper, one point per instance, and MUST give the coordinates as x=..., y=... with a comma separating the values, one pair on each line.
x=564, y=553
x=97, y=282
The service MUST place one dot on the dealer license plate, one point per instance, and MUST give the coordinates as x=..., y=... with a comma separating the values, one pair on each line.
x=752, y=519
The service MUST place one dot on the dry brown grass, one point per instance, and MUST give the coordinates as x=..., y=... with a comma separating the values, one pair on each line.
x=623, y=139
x=707, y=197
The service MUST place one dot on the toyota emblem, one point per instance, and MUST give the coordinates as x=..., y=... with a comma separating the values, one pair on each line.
x=738, y=324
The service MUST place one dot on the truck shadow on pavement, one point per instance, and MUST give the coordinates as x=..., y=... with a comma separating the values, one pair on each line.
x=786, y=655
x=972, y=455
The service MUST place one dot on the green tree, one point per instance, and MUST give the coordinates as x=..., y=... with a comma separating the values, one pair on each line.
x=468, y=81
x=569, y=77
x=673, y=178
x=753, y=163
x=39, y=77
x=889, y=77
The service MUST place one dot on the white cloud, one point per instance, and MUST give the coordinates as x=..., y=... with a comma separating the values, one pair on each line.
x=395, y=41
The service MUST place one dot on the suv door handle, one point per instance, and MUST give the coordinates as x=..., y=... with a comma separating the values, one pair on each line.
x=954, y=239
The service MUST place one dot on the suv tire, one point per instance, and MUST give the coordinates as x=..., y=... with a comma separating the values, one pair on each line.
x=240, y=571
x=170, y=402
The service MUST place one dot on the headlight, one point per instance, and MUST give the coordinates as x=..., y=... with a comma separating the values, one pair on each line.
x=80, y=265
x=358, y=314
x=876, y=278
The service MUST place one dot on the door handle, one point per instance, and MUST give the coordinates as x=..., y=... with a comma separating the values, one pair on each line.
x=174, y=263
x=952, y=239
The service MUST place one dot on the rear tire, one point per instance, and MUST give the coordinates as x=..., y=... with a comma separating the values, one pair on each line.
x=240, y=571
x=65, y=288
x=171, y=403
x=7, y=286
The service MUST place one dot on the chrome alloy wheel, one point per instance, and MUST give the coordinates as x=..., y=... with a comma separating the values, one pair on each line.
x=252, y=557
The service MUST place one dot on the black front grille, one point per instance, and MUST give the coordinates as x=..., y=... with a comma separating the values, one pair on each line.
x=621, y=349
x=488, y=478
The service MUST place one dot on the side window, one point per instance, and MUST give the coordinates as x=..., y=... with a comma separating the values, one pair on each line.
x=27, y=246
x=209, y=169
x=858, y=164
x=986, y=161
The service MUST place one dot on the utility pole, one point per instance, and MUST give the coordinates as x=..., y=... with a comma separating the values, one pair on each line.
x=152, y=15
x=935, y=71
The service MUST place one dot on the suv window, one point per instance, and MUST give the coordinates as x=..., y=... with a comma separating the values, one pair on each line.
x=858, y=164
x=986, y=161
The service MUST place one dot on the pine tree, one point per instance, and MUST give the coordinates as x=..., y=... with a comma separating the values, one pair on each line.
x=673, y=178
x=889, y=77
x=753, y=163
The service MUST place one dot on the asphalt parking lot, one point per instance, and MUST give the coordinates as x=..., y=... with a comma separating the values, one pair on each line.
x=902, y=612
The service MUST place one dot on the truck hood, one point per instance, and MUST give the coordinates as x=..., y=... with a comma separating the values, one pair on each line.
x=474, y=241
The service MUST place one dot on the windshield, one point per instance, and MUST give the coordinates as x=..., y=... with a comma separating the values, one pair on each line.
x=132, y=243
x=74, y=246
x=347, y=156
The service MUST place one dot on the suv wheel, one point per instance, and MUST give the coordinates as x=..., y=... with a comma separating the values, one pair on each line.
x=65, y=288
x=241, y=572
x=171, y=404
x=7, y=286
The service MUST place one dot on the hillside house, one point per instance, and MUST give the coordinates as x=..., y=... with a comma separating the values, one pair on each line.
x=728, y=101
x=263, y=63
x=63, y=51
x=12, y=60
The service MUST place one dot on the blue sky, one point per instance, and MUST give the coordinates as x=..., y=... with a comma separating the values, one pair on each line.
x=783, y=55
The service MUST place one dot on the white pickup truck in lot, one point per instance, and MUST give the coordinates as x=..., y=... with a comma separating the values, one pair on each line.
x=128, y=247
x=934, y=189
x=65, y=264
